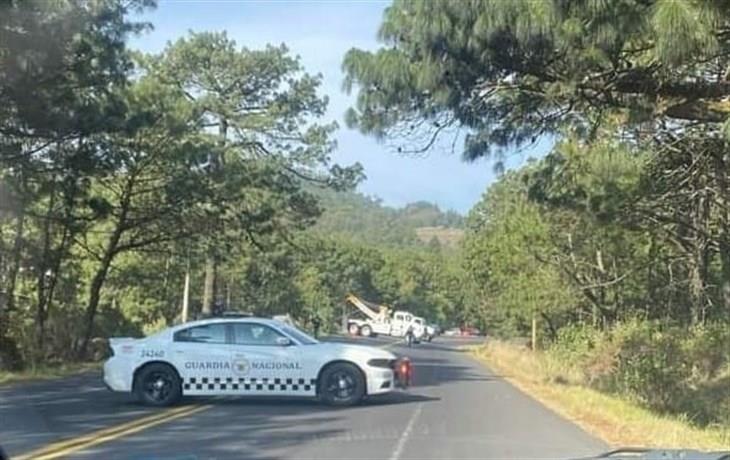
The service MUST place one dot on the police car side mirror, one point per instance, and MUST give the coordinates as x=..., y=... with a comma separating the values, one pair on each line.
x=283, y=341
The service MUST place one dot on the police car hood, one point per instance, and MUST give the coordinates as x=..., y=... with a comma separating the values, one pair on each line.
x=344, y=350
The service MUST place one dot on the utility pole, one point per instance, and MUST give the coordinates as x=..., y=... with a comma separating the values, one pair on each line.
x=186, y=296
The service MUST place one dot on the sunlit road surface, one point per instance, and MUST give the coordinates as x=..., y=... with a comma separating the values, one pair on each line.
x=456, y=409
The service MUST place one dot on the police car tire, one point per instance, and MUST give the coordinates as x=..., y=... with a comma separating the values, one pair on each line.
x=175, y=390
x=348, y=369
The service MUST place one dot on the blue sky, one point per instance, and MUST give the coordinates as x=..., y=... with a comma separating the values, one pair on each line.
x=320, y=32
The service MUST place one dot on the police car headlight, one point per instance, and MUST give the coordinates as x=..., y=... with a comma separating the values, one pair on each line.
x=381, y=362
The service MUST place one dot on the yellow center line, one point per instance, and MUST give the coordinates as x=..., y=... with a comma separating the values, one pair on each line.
x=112, y=429
x=64, y=448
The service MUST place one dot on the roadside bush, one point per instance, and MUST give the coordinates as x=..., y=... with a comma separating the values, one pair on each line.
x=664, y=367
x=650, y=366
x=707, y=349
x=575, y=343
x=573, y=353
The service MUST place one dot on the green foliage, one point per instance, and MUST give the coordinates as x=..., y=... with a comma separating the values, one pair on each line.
x=508, y=253
x=64, y=81
x=662, y=366
x=509, y=72
x=353, y=214
x=117, y=187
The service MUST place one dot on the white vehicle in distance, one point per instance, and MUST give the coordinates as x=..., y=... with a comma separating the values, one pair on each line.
x=454, y=331
x=428, y=331
x=249, y=357
x=381, y=320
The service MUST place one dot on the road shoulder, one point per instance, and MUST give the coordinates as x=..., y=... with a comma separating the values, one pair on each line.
x=615, y=421
x=47, y=373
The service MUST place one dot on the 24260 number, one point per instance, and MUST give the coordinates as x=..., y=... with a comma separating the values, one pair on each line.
x=152, y=354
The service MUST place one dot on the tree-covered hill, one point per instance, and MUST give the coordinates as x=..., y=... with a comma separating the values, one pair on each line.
x=370, y=221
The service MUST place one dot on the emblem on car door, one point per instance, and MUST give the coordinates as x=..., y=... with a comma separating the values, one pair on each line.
x=241, y=365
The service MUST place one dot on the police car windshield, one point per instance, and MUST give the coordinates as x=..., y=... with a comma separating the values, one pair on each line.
x=300, y=336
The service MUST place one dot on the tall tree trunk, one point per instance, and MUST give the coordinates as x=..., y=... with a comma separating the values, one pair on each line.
x=56, y=269
x=10, y=357
x=186, y=296
x=210, y=287
x=97, y=282
x=724, y=225
x=651, y=284
x=42, y=279
x=209, y=283
x=15, y=261
x=699, y=262
x=95, y=293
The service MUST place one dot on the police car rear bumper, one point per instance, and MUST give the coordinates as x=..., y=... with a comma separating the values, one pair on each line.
x=116, y=377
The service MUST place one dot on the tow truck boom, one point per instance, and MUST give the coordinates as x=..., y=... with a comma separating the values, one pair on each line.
x=382, y=314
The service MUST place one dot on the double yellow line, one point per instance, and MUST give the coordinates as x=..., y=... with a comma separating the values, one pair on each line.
x=62, y=449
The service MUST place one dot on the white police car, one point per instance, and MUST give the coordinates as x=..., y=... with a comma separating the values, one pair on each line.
x=249, y=357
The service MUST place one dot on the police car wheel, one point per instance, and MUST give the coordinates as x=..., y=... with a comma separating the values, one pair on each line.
x=341, y=384
x=157, y=385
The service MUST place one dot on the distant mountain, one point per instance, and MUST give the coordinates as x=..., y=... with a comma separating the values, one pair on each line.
x=424, y=214
x=367, y=219
x=446, y=236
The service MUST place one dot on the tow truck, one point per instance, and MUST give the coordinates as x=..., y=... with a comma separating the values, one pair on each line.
x=381, y=320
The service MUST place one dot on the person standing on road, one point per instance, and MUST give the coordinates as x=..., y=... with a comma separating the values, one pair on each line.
x=409, y=336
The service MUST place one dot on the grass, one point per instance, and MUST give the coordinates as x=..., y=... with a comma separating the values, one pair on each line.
x=46, y=372
x=449, y=237
x=618, y=422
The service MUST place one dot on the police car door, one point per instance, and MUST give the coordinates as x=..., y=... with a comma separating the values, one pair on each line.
x=266, y=362
x=202, y=357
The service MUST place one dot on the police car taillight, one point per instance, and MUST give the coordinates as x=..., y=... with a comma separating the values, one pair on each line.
x=407, y=368
x=403, y=369
x=403, y=366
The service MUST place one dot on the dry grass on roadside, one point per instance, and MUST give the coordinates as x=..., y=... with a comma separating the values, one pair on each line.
x=47, y=372
x=610, y=418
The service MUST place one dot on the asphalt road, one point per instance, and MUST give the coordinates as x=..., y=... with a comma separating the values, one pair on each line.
x=457, y=409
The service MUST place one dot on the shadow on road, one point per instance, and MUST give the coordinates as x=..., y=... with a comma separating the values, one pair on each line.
x=427, y=375
x=251, y=428
x=228, y=434
x=33, y=414
x=293, y=405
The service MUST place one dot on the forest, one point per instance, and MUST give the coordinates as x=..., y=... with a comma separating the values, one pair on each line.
x=122, y=174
